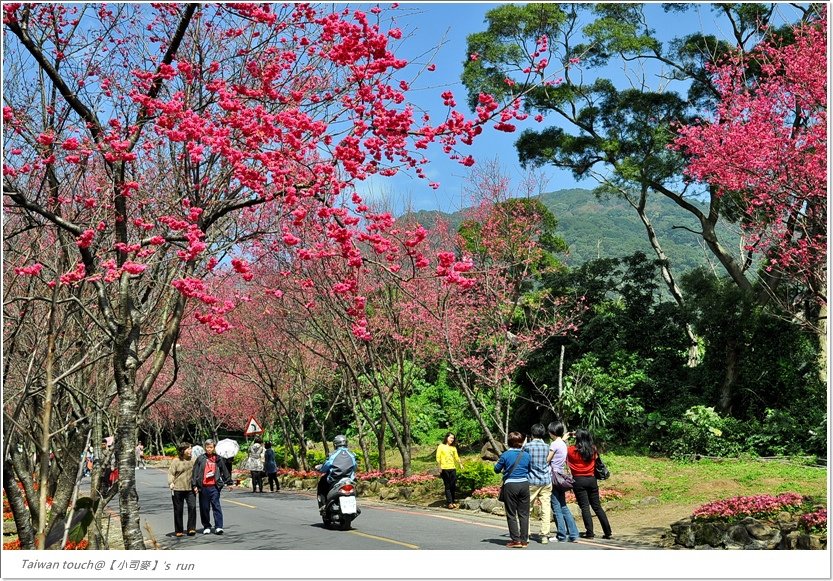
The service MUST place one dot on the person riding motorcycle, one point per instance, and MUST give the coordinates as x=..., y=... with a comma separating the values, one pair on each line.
x=340, y=464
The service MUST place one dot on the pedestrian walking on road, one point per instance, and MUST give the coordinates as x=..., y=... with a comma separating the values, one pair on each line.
x=581, y=458
x=566, y=529
x=140, y=456
x=254, y=464
x=515, y=465
x=207, y=479
x=270, y=466
x=179, y=481
x=449, y=461
x=540, y=481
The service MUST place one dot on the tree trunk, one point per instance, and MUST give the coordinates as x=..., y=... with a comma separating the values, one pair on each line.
x=733, y=354
x=127, y=434
x=473, y=406
x=17, y=502
x=822, y=335
x=46, y=427
x=667, y=276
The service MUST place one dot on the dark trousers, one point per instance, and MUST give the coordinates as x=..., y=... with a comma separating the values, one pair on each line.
x=181, y=497
x=517, y=510
x=273, y=481
x=257, y=480
x=322, y=490
x=449, y=477
x=210, y=502
x=586, y=490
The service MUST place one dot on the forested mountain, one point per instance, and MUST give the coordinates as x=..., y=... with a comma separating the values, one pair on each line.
x=609, y=227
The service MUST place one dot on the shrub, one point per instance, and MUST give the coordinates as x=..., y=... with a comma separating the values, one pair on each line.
x=315, y=457
x=703, y=431
x=475, y=475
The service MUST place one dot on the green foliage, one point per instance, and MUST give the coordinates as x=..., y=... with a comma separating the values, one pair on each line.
x=169, y=450
x=476, y=475
x=702, y=431
x=315, y=457
x=601, y=399
x=436, y=408
x=79, y=530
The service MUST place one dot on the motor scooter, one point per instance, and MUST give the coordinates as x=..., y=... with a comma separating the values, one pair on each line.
x=338, y=508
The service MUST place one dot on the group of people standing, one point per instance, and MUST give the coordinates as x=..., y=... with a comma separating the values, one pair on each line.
x=204, y=477
x=529, y=472
x=529, y=469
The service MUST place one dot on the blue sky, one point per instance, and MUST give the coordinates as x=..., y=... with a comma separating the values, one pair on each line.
x=437, y=32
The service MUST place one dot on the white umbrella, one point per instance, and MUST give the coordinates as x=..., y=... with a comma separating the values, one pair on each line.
x=227, y=448
x=196, y=452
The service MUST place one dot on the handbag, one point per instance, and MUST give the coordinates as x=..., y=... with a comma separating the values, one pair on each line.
x=562, y=481
x=501, y=496
x=600, y=471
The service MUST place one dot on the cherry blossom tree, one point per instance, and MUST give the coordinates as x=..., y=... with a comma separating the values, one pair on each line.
x=160, y=138
x=764, y=150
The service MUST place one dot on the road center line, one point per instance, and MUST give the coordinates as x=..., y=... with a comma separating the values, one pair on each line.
x=451, y=518
x=239, y=503
x=387, y=540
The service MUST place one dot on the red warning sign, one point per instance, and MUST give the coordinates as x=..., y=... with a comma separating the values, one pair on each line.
x=252, y=427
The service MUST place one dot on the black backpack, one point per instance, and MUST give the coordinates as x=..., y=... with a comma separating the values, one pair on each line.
x=342, y=466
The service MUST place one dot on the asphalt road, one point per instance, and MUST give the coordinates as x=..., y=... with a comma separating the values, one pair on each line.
x=290, y=520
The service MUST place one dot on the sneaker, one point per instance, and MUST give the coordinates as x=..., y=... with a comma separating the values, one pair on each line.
x=610, y=536
x=587, y=535
x=206, y=531
x=218, y=531
x=192, y=532
x=544, y=540
x=514, y=544
x=555, y=539
x=523, y=544
x=572, y=540
x=179, y=534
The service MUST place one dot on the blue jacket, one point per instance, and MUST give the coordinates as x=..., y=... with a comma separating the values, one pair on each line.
x=507, y=459
x=270, y=466
x=348, y=472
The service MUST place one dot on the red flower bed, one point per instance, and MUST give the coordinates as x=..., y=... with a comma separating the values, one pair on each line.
x=82, y=545
x=412, y=479
x=740, y=507
x=12, y=545
x=814, y=522
x=492, y=492
x=390, y=473
x=298, y=473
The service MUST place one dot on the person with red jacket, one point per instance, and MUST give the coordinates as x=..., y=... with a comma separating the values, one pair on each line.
x=207, y=479
x=581, y=458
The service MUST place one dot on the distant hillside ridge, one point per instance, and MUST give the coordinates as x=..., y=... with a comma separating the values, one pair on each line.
x=610, y=228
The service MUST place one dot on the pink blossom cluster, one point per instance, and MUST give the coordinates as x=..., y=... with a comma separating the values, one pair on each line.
x=739, y=507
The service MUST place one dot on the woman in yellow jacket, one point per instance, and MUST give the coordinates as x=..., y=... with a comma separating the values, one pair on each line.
x=449, y=461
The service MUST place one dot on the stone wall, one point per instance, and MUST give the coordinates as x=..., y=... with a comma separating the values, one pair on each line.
x=749, y=534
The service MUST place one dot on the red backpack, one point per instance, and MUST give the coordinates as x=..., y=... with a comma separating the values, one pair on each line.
x=208, y=475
